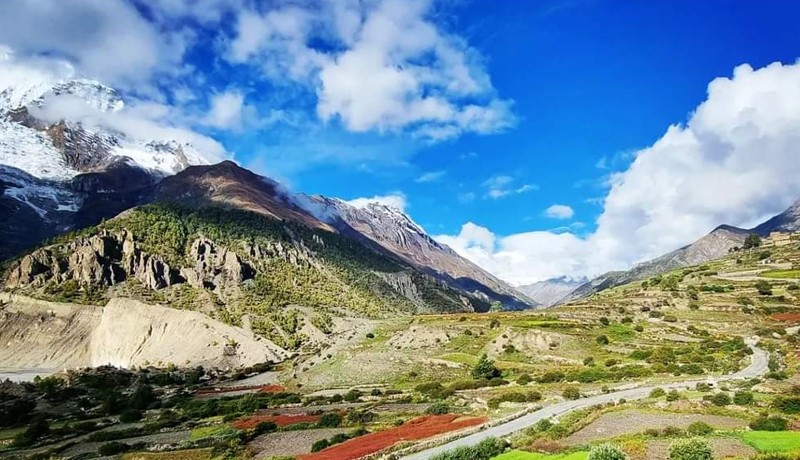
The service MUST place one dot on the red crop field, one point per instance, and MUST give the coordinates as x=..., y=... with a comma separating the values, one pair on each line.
x=280, y=420
x=272, y=389
x=420, y=428
x=791, y=317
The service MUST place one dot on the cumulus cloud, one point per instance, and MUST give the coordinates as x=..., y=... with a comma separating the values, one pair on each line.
x=226, y=110
x=734, y=161
x=431, y=176
x=382, y=65
x=559, y=211
x=396, y=200
x=106, y=39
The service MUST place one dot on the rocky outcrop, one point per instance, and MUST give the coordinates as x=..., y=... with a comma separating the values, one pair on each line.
x=215, y=266
x=109, y=258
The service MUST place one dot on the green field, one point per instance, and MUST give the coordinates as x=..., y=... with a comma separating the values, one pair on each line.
x=772, y=441
x=520, y=455
x=781, y=274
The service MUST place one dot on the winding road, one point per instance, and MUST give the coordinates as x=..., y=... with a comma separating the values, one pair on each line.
x=758, y=366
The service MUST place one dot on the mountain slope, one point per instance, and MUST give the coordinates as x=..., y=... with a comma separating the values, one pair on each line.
x=550, y=292
x=393, y=230
x=712, y=246
x=788, y=221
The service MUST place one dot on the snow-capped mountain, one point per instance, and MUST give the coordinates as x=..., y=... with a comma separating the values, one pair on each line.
x=55, y=129
x=550, y=292
x=73, y=153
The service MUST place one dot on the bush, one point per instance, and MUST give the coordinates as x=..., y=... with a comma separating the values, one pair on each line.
x=743, y=398
x=515, y=396
x=322, y=444
x=330, y=420
x=484, y=369
x=588, y=361
x=524, y=379
x=352, y=396
x=769, y=424
x=130, y=416
x=764, y=287
x=571, y=392
x=543, y=425
x=438, y=409
x=691, y=449
x=638, y=328
x=787, y=405
x=113, y=448
x=602, y=340
x=484, y=450
x=700, y=429
x=606, y=452
x=721, y=399
x=673, y=396
x=657, y=393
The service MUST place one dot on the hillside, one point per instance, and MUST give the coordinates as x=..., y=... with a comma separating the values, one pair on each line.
x=711, y=246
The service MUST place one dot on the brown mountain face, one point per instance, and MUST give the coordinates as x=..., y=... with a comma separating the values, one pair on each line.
x=228, y=185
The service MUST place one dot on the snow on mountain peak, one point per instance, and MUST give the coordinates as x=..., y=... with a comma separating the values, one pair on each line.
x=55, y=126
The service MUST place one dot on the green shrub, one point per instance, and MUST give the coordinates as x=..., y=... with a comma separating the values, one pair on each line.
x=657, y=393
x=700, y=429
x=543, y=425
x=691, y=449
x=438, y=409
x=113, y=448
x=743, y=398
x=524, y=379
x=322, y=444
x=588, y=361
x=558, y=431
x=602, y=340
x=484, y=450
x=330, y=420
x=673, y=395
x=769, y=424
x=130, y=416
x=485, y=369
x=721, y=399
x=571, y=392
x=606, y=452
x=788, y=405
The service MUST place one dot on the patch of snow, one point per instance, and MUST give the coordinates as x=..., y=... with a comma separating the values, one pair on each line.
x=31, y=151
x=41, y=196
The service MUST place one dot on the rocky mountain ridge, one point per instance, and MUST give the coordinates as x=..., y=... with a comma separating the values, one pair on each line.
x=711, y=246
x=550, y=292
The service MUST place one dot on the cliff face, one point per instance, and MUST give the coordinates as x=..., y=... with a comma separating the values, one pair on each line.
x=126, y=333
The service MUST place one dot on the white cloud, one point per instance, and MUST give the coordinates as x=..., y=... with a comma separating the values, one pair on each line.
x=226, y=110
x=106, y=39
x=559, y=211
x=431, y=176
x=383, y=65
x=396, y=200
x=735, y=161
x=501, y=185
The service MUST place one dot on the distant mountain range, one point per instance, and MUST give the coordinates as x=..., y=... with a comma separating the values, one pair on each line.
x=58, y=176
x=549, y=292
x=711, y=246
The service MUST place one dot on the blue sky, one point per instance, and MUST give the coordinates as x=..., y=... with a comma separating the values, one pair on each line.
x=480, y=115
